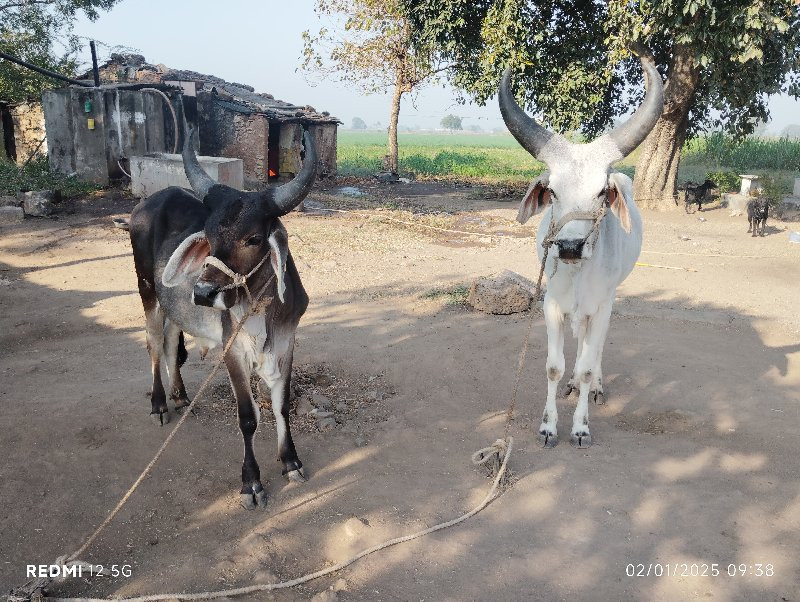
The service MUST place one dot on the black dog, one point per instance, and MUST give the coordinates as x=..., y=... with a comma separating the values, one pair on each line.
x=757, y=211
x=696, y=193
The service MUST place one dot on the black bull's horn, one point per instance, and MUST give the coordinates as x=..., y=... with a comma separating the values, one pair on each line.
x=627, y=136
x=279, y=200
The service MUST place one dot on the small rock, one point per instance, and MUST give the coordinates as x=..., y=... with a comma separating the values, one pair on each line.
x=320, y=401
x=360, y=442
x=701, y=219
x=326, y=596
x=340, y=406
x=318, y=413
x=321, y=379
x=504, y=294
x=340, y=585
x=304, y=406
x=326, y=424
x=371, y=395
x=9, y=201
x=387, y=177
x=39, y=203
x=11, y=215
x=684, y=237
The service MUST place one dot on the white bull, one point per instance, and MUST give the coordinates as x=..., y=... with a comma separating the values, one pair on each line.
x=584, y=266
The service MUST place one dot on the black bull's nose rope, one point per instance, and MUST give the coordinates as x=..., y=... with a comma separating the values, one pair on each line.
x=495, y=457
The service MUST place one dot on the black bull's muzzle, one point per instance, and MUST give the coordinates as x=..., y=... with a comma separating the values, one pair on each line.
x=205, y=293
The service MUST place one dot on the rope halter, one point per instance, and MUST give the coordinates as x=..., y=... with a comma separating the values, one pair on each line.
x=596, y=216
x=237, y=280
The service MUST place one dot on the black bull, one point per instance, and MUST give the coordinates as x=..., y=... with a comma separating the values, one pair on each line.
x=173, y=232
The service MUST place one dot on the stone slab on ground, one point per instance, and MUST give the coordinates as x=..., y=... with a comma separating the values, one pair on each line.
x=11, y=215
x=39, y=203
x=9, y=201
x=151, y=173
x=507, y=293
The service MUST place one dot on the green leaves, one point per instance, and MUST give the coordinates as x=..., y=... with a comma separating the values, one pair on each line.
x=369, y=44
x=574, y=69
x=32, y=31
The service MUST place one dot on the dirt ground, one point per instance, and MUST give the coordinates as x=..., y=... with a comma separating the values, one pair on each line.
x=694, y=458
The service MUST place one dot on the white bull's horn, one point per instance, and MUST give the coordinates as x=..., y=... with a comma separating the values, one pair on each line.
x=629, y=135
x=525, y=129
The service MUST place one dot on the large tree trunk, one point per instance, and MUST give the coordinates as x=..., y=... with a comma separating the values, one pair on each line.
x=391, y=162
x=655, y=183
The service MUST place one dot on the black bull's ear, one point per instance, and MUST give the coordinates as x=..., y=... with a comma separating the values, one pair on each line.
x=279, y=245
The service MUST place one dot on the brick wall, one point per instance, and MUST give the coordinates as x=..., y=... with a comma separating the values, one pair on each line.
x=28, y=130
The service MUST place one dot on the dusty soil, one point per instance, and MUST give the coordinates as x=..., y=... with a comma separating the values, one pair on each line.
x=693, y=463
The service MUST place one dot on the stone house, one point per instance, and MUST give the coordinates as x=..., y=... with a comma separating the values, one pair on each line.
x=235, y=121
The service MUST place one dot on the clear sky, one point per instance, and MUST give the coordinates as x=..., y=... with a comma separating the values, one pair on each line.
x=259, y=43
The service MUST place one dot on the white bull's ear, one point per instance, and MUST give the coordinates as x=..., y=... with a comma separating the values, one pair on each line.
x=279, y=243
x=187, y=260
x=619, y=195
x=536, y=198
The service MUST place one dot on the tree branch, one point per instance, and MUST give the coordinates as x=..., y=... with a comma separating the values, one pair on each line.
x=23, y=3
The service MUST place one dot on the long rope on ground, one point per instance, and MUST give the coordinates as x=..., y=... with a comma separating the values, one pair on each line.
x=502, y=447
x=36, y=586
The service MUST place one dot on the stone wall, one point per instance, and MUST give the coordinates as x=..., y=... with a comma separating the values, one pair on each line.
x=325, y=140
x=28, y=130
x=125, y=123
x=227, y=133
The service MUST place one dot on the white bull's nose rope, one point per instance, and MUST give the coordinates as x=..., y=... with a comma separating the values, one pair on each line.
x=596, y=216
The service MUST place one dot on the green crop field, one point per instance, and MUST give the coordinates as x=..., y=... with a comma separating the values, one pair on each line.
x=494, y=158
x=489, y=157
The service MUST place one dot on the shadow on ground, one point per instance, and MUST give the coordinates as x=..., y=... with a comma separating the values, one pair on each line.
x=693, y=461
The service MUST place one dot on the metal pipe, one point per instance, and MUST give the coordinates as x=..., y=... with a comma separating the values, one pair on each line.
x=52, y=74
x=95, y=70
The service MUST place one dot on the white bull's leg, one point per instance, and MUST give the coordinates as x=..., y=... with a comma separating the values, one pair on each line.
x=572, y=384
x=584, y=371
x=554, y=320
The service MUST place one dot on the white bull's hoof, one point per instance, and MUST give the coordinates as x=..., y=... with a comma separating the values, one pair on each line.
x=547, y=439
x=581, y=438
x=297, y=476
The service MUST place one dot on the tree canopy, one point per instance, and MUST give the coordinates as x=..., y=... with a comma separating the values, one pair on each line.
x=451, y=122
x=721, y=61
x=40, y=33
x=358, y=124
x=577, y=73
x=370, y=44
